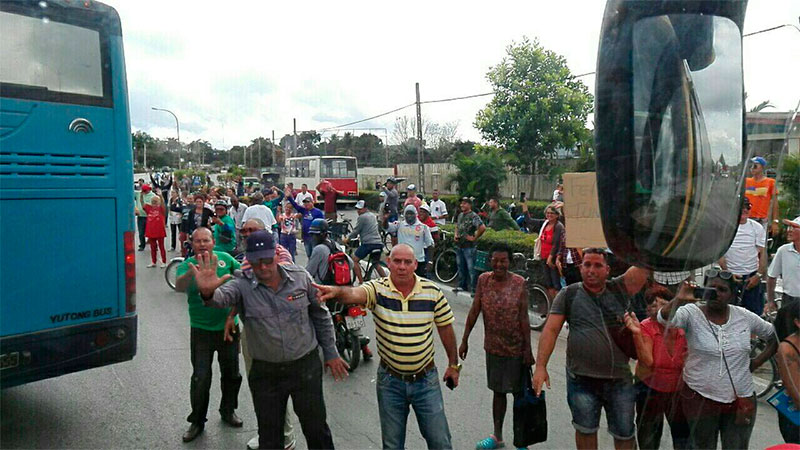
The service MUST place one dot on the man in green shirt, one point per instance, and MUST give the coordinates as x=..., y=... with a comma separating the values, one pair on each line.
x=207, y=337
x=499, y=218
x=224, y=229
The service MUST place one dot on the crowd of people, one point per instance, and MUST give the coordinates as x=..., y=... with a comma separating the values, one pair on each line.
x=692, y=345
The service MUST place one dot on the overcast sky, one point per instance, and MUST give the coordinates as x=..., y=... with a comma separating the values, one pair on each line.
x=234, y=70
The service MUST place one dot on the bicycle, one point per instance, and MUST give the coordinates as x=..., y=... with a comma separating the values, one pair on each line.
x=539, y=302
x=445, y=264
x=341, y=229
x=766, y=377
x=369, y=265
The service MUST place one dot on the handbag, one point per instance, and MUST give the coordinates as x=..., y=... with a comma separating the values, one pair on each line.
x=537, y=245
x=745, y=406
x=530, y=414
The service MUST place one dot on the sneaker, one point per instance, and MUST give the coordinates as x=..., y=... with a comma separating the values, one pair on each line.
x=252, y=444
x=489, y=443
x=163, y=265
x=151, y=265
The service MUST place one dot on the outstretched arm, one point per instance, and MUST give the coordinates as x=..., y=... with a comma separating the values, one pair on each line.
x=342, y=294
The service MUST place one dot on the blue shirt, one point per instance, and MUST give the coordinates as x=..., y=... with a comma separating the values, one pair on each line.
x=308, y=216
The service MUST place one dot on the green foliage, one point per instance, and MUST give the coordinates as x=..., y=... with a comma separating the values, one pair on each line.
x=480, y=175
x=517, y=241
x=237, y=171
x=790, y=186
x=538, y=105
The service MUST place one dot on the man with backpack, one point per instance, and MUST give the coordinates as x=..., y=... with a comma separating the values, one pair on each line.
x=327, y=264
x=598, y=350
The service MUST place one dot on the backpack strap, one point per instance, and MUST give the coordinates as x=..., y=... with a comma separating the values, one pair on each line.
x=793, y=346
x=569, y=295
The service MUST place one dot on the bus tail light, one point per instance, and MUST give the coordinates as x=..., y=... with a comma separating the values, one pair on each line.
x=130, y=272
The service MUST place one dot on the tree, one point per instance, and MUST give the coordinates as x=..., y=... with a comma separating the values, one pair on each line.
x=480, y=175
x=762, y=106
x=538, y=106
x=438, y=139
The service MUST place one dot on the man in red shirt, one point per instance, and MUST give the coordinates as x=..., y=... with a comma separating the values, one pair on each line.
x=502, y=298
x=329, y=194
x=762, y=192
x=425, y=217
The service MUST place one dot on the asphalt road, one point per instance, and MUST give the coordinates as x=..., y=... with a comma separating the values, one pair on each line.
x=144, y=403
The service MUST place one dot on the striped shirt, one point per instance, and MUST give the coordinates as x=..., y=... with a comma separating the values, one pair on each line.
x=404, y=326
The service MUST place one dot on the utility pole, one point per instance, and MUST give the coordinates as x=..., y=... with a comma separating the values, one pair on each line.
x=259, y=155
x=145, y=157
x=420, y=146
x=272, y=144
x=294, y=145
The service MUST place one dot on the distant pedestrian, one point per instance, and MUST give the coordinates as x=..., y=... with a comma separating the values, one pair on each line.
x=156, y=230
x=411, y=196
x=499, y=218
x=142, y=197
x=469, y=228
x=551, y=239
x=176, y=204
x=392, y=198
x=289, y=223
x=304, y=193
x=762, y=193
x=329, y=194
x=746, y=258
x=308, y=213
x=502, y=298
x=438, y=209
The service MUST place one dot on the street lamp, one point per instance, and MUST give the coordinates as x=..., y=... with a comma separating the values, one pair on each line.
x=178, y=126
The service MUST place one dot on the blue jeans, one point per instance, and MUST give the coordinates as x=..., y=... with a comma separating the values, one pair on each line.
x=752, y=299
x=394, y=398
x=586, y=396
x=465, y=257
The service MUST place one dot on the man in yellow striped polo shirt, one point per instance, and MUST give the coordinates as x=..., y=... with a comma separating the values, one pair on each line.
x=406, y=308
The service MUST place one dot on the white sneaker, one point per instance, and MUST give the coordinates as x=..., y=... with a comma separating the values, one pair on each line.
x=252, y=444
x=163, y=265
x=151, y=265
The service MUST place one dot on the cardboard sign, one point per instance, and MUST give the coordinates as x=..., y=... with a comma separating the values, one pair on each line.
x=582, y=211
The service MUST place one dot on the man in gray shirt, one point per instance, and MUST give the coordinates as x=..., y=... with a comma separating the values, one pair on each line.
x=317, y=265
x=392, y=198
x=285, y=325
x=598, y=374
x=366, y=230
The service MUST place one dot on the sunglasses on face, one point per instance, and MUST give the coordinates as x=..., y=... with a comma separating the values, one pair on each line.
x=263, y=262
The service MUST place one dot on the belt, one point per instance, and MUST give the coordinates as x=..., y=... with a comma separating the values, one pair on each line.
x=409, y=378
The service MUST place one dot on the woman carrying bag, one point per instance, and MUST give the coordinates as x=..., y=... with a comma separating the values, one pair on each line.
x=718, y=394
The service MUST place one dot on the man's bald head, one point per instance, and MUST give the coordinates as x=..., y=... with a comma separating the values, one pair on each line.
x=401, y=250
x=255, y=223
x=202, y=231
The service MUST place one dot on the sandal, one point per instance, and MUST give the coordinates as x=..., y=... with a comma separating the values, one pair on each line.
x=489, y=443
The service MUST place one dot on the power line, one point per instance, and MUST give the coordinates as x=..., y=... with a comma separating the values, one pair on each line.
x=457, y=98
x=369, y=118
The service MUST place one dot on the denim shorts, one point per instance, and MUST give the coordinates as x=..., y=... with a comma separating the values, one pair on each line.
x=365, y=249
x=586, y=396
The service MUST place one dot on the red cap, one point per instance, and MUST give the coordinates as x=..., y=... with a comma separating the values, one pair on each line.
x=146, y=188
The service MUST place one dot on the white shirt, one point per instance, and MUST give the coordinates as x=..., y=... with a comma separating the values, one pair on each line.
x=301, y=196
x=742, y=256
x=704, y=370
x=418, y=236
x=438, y=209
x=786, y=265
x=238, y=214
x=260, y=212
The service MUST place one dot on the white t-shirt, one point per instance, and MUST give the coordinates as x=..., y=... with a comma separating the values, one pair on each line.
x=438, y=209
x=742, y=256
x=259, y=212
x=786, y=265
x=301, y=196
x=418, y=236
x=704, y=370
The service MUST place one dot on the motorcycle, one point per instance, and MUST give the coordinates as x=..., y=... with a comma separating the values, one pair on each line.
x=347, y=324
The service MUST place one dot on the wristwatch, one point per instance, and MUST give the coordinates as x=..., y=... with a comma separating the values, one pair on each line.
x=456, y=367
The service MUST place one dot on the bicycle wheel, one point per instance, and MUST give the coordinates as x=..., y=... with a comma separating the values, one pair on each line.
x=765, y=377
x=387, y=242
x=171, y=273
x=446, y=266
x=538, y=306
x=372, y=271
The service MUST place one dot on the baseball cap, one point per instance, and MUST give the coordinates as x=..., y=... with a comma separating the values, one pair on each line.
x=425, y=207
x=466, y=199
x=382, y=194
x=260, y=245
x=360, y=204
x=759, y=160
x=793, y=223
x=411, y=187
x=307, y=199
x=410, y=208
x=391, y=180
x=146, y=188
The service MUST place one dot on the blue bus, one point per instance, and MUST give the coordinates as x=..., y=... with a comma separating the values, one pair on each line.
x=67, y=274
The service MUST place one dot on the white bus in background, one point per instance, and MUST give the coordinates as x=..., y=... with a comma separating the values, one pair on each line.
x=340, y=171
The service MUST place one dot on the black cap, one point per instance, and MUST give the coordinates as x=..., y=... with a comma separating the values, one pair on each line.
x=260, y=245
